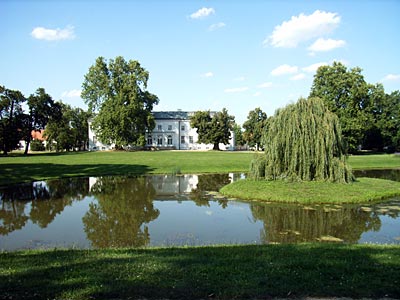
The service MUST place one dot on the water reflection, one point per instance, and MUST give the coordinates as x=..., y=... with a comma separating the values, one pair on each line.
x=297, y=223
x=38, y=202
x=123, y=206
x=132, y=212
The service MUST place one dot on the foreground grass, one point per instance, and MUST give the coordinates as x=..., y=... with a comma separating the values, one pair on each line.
x=18, y=168
x=223, y=272
x=362, y=191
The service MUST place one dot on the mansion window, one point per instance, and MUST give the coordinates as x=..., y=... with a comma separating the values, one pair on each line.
x=191, y=139
x=149, y=140
x=159, y=140
x=183, y=128
x=169, y=127
x=169, y=142
x=159, y=127
x=182, y=139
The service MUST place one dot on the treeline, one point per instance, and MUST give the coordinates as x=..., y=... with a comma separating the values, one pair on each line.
x=121, y=109
x=66, y=127
x=369, y=118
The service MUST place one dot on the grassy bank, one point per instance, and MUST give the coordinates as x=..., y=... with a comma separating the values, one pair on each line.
x=18, y=168
x=362, y=191
x=223, y=272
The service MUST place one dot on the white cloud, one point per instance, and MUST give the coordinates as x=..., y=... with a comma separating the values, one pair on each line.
x=202, y=13
x=314, y=67
x=71, y=94
x=302, y=28
x=207, y=75
x=265, y=85
x=57, y=34
x=323, y=45
x=284, y=69
x=298, y=76
x=216, y=26
x=236, y=90
x=391, y=77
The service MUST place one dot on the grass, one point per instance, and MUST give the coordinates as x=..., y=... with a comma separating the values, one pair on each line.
x=222, y=272
x=362, y=191
x=18, y=168
x=376, y=161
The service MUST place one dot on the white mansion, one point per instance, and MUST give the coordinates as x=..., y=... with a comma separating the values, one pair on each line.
x=172, y=131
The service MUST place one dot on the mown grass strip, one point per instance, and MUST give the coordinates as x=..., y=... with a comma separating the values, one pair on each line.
x=223, y=272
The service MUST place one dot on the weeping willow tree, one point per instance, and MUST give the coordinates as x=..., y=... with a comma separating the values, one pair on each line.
x=303, y=142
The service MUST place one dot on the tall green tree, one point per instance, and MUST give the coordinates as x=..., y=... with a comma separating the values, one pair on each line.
x=254, y=127
x=68, y=132
x=239, y=139
x=41, y=108
x=116, y=92
x=11, y=119
x=347, y=94
x=213, y=128
x=388, y=121
x=304, y=142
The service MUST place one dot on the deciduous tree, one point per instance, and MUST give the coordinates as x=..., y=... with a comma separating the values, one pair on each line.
x=11, y=119
x=255, y=127
x=213, y=128
x=347, y=94
x=117, y=93
x=304, y=142
x=42, y=108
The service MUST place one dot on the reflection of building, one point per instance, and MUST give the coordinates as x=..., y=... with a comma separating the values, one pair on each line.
x=169, y=185
x=172, y=131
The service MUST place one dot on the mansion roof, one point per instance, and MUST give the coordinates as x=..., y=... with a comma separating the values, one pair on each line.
x=172, y=115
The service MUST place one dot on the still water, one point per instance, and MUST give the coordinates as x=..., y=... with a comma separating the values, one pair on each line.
x=165, y=210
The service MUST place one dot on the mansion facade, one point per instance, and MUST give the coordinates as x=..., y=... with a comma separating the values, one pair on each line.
x=172, y=131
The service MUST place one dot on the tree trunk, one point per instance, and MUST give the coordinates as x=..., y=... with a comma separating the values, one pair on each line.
x=27, y=142
x=216, y=146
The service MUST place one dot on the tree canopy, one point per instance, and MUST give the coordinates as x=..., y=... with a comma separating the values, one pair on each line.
x=42, y=109
x=303, y=142
x=11, y=119
x=117, y=93
x=70, y=131
x=347, y=94
x=255, y=127
x=213, y=128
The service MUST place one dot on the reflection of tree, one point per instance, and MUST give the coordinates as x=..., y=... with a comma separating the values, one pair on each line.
x=207, y=183
x=12, y=216
x=124, y=204
x=60, y=193
x=47, y=200
x=296, y=223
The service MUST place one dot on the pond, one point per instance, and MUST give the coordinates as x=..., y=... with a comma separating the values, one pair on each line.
x=167, y=210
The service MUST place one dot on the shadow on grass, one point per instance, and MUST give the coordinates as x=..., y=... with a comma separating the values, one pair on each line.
x=17, y=173
x=259, y=272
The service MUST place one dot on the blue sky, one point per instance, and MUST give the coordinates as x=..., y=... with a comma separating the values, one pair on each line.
x=201, y=55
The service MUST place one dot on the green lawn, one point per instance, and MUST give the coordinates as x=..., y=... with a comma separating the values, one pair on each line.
x=362, y=191
x=18, y=168
x=53, y=165
x=222, y=272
